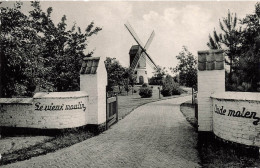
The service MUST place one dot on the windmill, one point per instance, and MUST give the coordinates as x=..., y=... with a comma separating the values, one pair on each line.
x=139, y=56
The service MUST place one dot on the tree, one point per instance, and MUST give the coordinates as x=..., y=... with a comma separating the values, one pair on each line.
x=250, y=50
x=36, y=52
x=19, y=47
x=187, y=68
x=159, y=74
x=167, y=86
x=63, y=49
x=119, y=75
x=229, y=40
x=214, y=42
x=115, y=73
x=129, y=79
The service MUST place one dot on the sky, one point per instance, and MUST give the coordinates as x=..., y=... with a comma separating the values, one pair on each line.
x=176, y=24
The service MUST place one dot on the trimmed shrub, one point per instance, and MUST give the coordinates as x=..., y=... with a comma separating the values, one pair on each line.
x=166, y=91
x=145, y=85
x=170, y=87
x=145, y=92
x=176, y=90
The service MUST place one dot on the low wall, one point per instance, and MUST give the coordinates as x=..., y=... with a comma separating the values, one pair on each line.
x=16, y=112
x=56, y=110
x=236, y=117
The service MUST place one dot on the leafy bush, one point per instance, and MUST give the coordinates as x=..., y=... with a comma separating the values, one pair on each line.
x=145, y=85
x=145, y=92
x=176, y=90
x=166, y=91
x=155, y=81
x=170, y=87
x=127, y=88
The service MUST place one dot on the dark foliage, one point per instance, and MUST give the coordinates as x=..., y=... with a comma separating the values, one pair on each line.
x=242, y=45
x=145, y=91
x=37, y=53
x=170, y=87
x=119, y=76
x=157, y=78
x=187, y=68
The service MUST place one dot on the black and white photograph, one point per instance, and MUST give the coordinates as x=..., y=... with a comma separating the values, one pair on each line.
x=129, y=84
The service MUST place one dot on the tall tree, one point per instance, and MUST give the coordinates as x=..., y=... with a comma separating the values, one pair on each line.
x=229, y=40
x=36, y=52
x=187, y=68
x=250, y=50
x=214, y=42
x=158, y=76
x=19, y=46
x=119, y=75
x=115, y=73
x=129, y=79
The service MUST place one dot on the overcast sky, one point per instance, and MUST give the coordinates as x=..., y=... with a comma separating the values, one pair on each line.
x=175, y=24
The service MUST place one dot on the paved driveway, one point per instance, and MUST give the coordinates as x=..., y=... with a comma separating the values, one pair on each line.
x=153, y=135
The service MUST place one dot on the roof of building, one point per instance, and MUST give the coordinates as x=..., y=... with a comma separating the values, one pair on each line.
x=89, y=65
x=134, y=49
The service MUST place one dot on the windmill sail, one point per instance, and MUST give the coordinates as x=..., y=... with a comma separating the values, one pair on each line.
x=150, y=60
x=135, y=61
x=142, y=55
x=132, y=32
x=148, y=43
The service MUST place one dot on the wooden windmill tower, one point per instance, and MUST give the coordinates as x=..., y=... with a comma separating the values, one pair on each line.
x=139, y=56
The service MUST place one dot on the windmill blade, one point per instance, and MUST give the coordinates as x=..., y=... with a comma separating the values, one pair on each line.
x=135, y=61
x=143, y=60
x=150, y=59
x=139, y=57
x=151, y=64
x=147, y=45
x=142, y=57
x=132, y=32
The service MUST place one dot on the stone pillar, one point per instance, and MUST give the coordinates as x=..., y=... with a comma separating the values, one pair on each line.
x=211, y=79
x=93, y=80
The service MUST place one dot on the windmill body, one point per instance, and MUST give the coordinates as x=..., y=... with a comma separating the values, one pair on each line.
x=140, y=69
x=139, y=57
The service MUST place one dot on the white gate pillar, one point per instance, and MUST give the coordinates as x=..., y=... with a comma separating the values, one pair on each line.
x=93, y=80
x=211, y=79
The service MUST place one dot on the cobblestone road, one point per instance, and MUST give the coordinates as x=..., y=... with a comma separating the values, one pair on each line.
x=153, y=135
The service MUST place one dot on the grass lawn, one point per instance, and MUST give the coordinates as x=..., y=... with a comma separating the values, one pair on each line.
x=188, y=110
x=216, y=154
x=21, y=151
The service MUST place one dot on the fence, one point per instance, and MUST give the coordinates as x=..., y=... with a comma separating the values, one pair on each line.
x=112, y=110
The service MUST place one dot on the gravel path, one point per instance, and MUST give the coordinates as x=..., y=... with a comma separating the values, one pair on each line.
x=153, y=135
